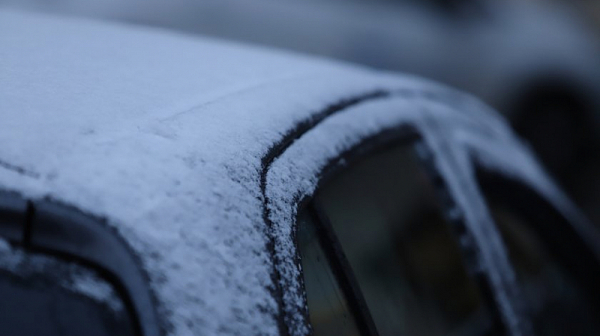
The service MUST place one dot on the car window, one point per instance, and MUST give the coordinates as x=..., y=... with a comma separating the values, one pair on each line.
x=330, y=313
x=546, y=259
x=47, y=296
x=383, y=211
x=69, y=273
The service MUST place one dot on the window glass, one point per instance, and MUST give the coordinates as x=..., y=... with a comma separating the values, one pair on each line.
x=329, y=311
x=384, y=212
x=46, y=296
x=554, y=298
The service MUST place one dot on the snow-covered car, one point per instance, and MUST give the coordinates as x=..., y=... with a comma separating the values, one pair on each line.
x=156, y=184
x=534, y=61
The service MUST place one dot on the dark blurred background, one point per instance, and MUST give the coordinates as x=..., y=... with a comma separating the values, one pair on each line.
x=536, y=61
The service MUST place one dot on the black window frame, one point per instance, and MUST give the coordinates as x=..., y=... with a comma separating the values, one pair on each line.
x=453, y=214
x=47, y=227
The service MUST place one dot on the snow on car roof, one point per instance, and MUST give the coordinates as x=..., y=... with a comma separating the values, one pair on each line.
x=167, y=138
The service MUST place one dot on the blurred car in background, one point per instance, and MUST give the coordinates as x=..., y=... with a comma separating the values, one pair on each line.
x=534, y=61
x=588, y=9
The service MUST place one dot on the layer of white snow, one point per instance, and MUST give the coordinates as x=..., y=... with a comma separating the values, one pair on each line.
x=165, y=137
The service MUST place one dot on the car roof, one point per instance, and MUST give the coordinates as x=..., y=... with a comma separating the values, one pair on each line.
x=400, y=36
x=172, y=139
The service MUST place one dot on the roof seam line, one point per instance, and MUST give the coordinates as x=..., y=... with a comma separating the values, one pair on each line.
x=19, y=170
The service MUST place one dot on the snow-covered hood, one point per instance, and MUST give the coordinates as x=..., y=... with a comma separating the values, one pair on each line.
x=167, y=137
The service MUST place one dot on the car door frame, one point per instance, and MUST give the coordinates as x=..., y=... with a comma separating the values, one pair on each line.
x=441, y=153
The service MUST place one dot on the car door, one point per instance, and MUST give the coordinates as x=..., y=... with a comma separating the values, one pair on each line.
x=383, y=251
x=383, y=248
